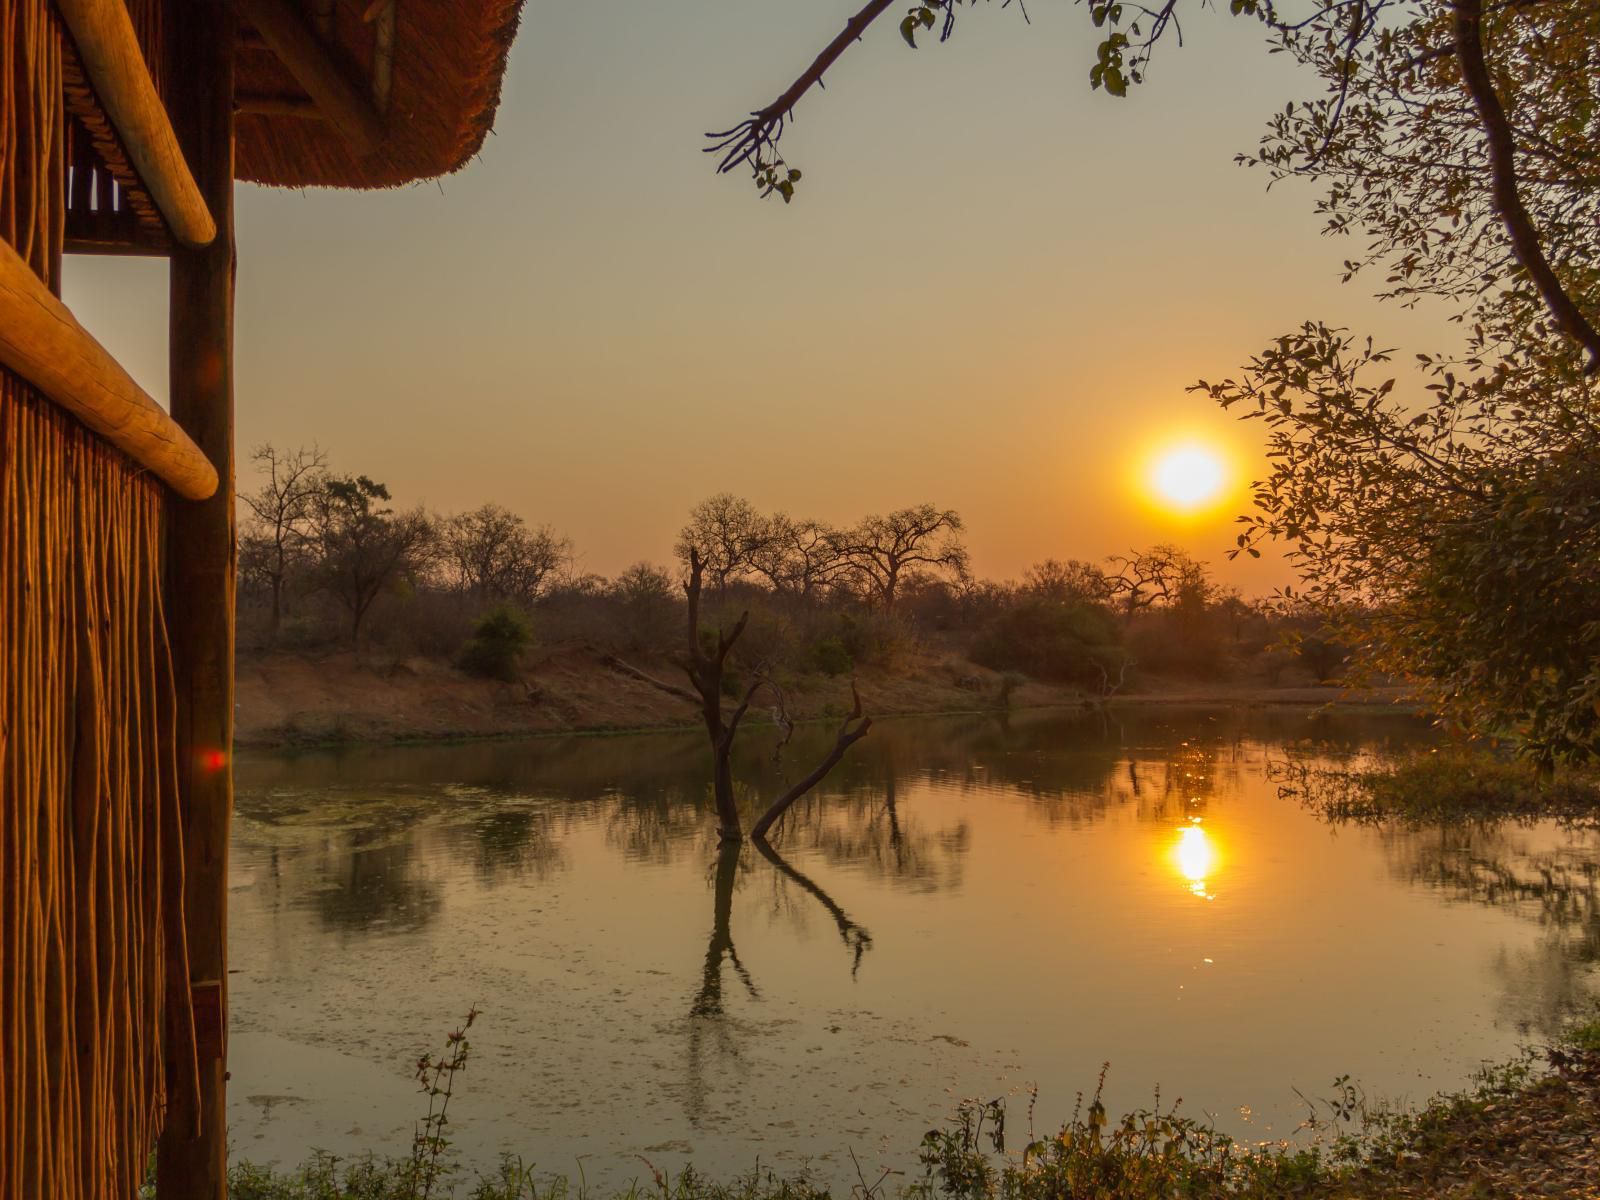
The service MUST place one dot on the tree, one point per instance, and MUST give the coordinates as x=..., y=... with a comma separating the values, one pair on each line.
x=883, y=550
x=797, y=558
x=363, y=548
x=648, y=602
x=1070, y=582
x=1448, y=526
x=491, y=554
x=1162, y=575
x=284, y=508
x=727, y=534
x=706, y=665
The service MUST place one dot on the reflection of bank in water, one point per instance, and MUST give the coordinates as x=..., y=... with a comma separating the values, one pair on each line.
x=1543, y=873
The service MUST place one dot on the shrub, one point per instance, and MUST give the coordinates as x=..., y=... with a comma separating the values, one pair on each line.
x=871, y=637
x=1049, y=639
x=496, y=645
x=831, y=657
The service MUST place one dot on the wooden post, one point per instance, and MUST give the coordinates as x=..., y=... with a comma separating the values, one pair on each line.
x=191, y=1159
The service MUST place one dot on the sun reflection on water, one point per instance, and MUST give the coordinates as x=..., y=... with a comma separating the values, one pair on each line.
x=1195, y=856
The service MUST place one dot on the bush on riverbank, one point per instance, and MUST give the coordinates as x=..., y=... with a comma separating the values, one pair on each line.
x=495, y=649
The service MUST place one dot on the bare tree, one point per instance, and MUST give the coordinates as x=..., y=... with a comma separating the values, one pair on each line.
x=851, y=730
x=491, y=554
x=646, y=602
x=284, y=508
x=1162, y=575
x=883, y=550
x=797, y=558
x=363, y=547
x=1070, y=582
x=706, y=666
x=727, y=534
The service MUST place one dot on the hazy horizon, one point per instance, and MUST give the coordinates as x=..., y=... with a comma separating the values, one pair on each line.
x=990, y=292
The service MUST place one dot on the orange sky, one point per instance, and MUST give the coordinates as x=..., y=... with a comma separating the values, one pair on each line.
x=989, y=293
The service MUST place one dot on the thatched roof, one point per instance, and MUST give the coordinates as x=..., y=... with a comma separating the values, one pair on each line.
x=447, y=62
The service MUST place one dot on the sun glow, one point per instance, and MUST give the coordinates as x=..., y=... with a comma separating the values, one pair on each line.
x=1188, y=477
x=1194, y=855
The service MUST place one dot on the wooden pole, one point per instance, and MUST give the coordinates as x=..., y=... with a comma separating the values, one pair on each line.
x=103, y=33
x=313, y=67
x=191, y=1158
x=42, y=341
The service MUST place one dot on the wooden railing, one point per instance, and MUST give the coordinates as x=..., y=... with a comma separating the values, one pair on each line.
x=42, y=341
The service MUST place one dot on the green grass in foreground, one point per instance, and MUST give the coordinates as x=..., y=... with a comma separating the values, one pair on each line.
x=1516, y=1122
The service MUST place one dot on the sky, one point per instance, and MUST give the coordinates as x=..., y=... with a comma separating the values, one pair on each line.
x=990, y=292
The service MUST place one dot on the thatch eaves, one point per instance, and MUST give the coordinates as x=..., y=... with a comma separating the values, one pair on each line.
x=437, y=95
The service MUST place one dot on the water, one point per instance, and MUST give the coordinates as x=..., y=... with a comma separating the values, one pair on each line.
x=968, y=906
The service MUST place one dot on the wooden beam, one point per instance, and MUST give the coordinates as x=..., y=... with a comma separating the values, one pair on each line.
x=298, y=107
x=113, y=231
x=192, y=1154
x=308, y=60
x=109, y=50
x=380, y=15
x=42, y=341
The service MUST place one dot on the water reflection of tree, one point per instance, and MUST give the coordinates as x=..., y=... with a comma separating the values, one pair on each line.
x=711, y=1029
x=650, y=790
x=1491, y=864
x=865, y=829
x=512, y=842
x=368, y=880
x=655, y=824
x=856, y=939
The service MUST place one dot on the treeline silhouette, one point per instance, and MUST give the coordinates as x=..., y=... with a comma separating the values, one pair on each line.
x=330, y=561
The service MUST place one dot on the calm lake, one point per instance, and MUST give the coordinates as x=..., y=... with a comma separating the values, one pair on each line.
x=968, y=906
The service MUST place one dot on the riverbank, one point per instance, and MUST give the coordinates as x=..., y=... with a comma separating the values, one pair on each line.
x=288, y=699
x=1531, y=1128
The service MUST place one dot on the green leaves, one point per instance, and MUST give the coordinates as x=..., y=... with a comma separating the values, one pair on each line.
x=776, y=176
x=920, y=17
x=1107, y=71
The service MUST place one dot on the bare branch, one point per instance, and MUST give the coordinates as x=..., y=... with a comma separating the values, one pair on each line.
x=851, y=730
x=661, y=685
x=748, y=142
x=744, y=706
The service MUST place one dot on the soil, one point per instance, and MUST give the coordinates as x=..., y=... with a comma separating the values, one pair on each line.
x=292, y=698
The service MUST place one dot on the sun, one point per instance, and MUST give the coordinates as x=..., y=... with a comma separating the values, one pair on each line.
x=1188, y=477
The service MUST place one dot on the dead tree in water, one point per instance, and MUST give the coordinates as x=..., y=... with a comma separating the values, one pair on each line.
x=851, y=730
x=706, y=665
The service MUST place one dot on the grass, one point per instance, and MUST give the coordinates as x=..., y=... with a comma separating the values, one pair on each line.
x=1530, y=1127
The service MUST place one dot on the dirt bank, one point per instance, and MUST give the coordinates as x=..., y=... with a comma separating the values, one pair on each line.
x=286, y=699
